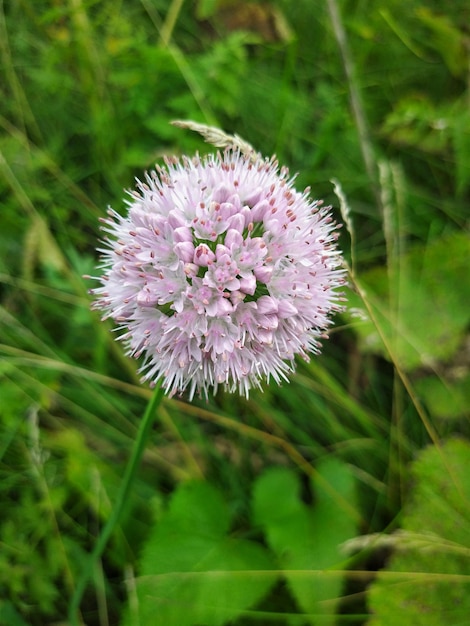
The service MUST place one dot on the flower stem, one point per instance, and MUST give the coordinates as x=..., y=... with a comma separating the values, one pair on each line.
x=127, y=481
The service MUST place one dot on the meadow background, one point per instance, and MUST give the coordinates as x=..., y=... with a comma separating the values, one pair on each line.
x=340, y=498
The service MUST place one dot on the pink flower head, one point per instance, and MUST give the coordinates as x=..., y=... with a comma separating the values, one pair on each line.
x=220, y=273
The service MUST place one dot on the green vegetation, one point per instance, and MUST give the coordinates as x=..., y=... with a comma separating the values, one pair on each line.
x=279, y=509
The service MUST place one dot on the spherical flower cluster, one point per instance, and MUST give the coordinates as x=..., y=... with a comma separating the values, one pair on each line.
x=220, y=273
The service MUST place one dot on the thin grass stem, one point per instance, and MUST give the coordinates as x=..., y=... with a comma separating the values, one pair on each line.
x=365, y=143
x=127, y=482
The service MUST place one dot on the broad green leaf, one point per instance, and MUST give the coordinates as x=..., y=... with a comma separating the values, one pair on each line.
x=414, y=121
x=306, y=538
x=446, y=38
x=424, y=314
x=445, y=398
x=205, y=9
x=9, y=615
x=427, y=581
x=192, y=572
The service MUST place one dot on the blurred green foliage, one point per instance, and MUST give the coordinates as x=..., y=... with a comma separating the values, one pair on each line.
x=435, y=540
x=87, y=93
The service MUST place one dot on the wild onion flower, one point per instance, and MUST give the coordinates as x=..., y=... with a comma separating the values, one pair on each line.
x=220, y=273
